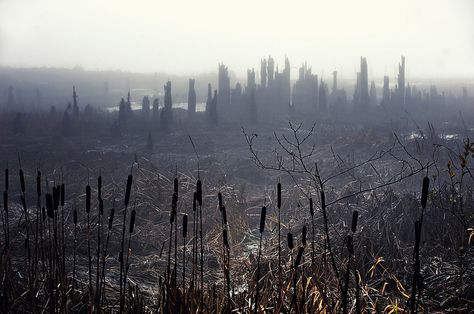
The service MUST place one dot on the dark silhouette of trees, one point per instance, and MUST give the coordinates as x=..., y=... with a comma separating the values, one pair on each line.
x=129, y=110
x=155, y=112
x=166, y=116
x=386, y=92
x=224, y=87
x=146, y=107
x=75, y=108
x=191, y=99
x=213, y=118
x=122, y=118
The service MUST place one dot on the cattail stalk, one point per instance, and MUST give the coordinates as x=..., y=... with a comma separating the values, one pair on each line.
x=62, y=202
x=74, y=252
x=345, y=291
x=130, y=231
x=280, y=279
x=226, y=253
x=55, y=231
x=326, y=230
x=99, y=240
x=50, y=212
x=7, y=224
x=185, y=234
x=311, y=211
x=195, y=241
x=279, y=224
x=88, y=211
x=126, y=202
x=304, y=233
x=417, y=278
x=357, y=294
x=104, y=255
x=355, y=219
x=261, y=230
x=37, y=245
x=199, y=200
x=6, y=178
x=294, y=298
x=27, y=221
x=225, y=248
x=175, y=269
x=168, y=267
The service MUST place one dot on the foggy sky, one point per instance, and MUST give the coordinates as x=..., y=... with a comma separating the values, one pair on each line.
x=190, y=37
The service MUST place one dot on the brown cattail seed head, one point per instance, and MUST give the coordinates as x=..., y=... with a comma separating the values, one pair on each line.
x=88, y=198
x=111, y=217
x=128, y=189
x=185, y=226
x=132, y=221
x=262, y=219
x=424, y=191
x=99, y=187
x=22, y=181
x=174, y=201
x=304, y=233
x=299, y=256
x=350, y=244
x=172, y=214
x=63, y=191
x=226, y=239
x=311, y=209
x=49, y=205
x=417, y=232
x=56, y=197
x=199, y=192
x=279, y=194
x=224, y=215
x=38, y=184
x=290, y=241
x=43, y=211
x=219, y=197
x=176, y=185
x=355, y=217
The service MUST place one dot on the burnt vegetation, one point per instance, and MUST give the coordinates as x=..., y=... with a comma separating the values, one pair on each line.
x=243, y=203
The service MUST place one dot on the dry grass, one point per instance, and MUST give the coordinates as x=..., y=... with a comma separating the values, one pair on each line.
x=239, y=251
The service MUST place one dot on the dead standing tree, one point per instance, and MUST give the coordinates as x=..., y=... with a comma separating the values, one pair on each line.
x=295, y=154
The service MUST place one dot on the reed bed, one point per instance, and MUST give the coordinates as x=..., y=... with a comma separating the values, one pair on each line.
x=179, y=243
